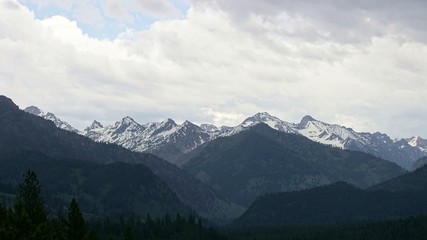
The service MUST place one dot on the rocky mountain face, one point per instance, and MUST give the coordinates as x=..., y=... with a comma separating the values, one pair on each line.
x=418, y=142
x=171, y=141
x=165, y=139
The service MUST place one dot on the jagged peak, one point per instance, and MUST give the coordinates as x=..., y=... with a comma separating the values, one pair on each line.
x=305, y=120
x=128, y=120
x=34, y=110
x=259, y=117
x=95, y=124
x=168, y=122
x=308, y=118
x=188, y=123
x=262, y=115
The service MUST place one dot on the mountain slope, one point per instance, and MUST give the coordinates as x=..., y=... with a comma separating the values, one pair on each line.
x=377, y=144
x=402, y=196
x=261, y=160
x=102, y=189
x=412, y=181
x=419, y=163
x=337, y=203
x=23, y=131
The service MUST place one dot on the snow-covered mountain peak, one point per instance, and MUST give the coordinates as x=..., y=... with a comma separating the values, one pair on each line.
x=95, y=125
x=34, y=110
x=190, y=127
x=170, y=140
x=417, y=142
x=305, y=120
x=127, y=121
x=128, y=124
x=168, y=124
x=262, y=117
x=50, y=116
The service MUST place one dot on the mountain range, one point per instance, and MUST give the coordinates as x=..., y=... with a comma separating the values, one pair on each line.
x=222, y=169
x=171, y=141
x=21, y=132
x=262, y=160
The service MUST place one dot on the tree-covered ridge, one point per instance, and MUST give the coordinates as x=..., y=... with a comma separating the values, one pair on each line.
x=412, y=228
x=102, y=189
x=338, y=203
x=28, y=219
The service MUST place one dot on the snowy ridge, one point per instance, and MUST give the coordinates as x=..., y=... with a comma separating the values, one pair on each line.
x=166, y=139
x=170, y=140
x=377, y=144
x=50, y=116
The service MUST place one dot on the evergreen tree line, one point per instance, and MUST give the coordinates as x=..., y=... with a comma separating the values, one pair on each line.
x=27, y=218
x=412, y=228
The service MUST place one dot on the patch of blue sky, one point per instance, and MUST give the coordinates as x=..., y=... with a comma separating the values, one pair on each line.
x=46, y=11
x=181, y=5
x=107, y=28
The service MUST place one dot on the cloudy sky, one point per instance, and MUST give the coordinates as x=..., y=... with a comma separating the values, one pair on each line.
x=361, y=63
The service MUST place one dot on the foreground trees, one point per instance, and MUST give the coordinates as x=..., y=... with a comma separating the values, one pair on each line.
x=28, y=219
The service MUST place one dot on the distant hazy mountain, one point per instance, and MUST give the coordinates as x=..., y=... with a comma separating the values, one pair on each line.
x=260, y=160
x=170, y=140
x=340, y=202
x=20, y=131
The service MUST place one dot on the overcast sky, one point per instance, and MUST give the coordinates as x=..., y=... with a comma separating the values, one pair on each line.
x=360, y=63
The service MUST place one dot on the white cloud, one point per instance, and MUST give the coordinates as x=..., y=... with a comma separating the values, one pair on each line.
x=206, y=68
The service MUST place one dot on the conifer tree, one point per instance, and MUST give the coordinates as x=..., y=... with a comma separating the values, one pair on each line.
x=29, y=196
x=76, y=222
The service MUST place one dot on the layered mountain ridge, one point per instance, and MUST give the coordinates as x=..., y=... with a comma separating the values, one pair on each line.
x=341, y=202
x=22, y=132
x=262, y=160
x=170, y=140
